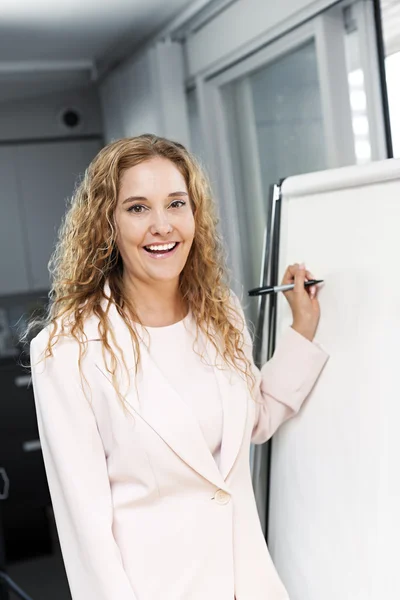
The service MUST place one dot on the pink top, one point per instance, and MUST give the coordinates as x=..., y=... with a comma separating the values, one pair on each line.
x=171, y=349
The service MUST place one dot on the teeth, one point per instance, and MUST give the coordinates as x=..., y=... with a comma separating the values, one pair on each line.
x=162, y=246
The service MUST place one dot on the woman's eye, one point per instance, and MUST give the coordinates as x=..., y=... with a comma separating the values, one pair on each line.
x=177, y=203
x=136, y=208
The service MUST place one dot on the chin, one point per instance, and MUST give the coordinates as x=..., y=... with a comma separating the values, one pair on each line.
x=166, y=277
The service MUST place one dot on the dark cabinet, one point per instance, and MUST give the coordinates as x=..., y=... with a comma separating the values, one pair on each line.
x=26, y=530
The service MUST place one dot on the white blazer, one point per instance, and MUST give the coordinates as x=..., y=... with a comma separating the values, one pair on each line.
x=142, y=510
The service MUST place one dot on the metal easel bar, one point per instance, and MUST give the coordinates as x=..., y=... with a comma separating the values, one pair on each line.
x=269, y=275
x=266, y=310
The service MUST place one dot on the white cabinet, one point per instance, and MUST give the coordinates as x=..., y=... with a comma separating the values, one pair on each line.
x=47, y=174
x=13, y=269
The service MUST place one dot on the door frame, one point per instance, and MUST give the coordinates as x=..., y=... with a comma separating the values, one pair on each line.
x=327, y=32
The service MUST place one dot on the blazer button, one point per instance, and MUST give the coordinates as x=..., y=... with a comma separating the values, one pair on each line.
x=222, y=497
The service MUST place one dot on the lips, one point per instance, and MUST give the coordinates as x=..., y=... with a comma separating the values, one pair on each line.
x=161, y=248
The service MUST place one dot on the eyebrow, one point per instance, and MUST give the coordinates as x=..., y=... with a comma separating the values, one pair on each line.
x=133, y=198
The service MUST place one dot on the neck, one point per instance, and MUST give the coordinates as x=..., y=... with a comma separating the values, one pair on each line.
x=156, y=305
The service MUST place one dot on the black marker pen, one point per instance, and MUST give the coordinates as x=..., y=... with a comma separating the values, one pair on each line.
x=280, y=288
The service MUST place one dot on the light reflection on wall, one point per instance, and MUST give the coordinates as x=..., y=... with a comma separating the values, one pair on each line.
x=358, y=103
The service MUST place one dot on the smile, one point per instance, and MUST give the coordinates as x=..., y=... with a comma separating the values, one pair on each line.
x=161, y=250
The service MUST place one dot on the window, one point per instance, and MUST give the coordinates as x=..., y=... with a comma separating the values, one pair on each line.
x=390, y=11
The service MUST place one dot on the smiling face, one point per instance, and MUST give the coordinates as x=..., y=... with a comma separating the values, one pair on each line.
x=155, y=222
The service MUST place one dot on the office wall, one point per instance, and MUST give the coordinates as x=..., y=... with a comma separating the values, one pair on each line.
x=40, y=161
x=241, y=27
x=128, y=104
x=146, y=94
x=39, y=117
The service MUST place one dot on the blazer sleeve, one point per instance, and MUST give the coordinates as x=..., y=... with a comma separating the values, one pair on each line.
x=77, y=475
x=285, y=381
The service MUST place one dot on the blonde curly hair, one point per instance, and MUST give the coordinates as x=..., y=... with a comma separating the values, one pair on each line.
x=86, y=257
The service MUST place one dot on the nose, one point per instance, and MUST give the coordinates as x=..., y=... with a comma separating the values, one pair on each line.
x=161, y=225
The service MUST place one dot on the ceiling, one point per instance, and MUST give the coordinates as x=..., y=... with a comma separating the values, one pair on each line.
x=48, y=45
x=55, y=45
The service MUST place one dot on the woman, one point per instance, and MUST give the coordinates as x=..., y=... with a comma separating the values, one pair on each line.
x=146, y=394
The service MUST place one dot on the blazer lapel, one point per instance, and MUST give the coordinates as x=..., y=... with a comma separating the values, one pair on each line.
x=153, y=398
x=173, y=420
x=234, y=397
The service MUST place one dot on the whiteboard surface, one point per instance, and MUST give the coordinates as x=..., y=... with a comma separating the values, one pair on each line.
x=334, y=530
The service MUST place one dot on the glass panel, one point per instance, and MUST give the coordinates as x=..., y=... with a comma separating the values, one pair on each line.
x=288, y=115
x=392, y=64
x=276, y=129
x=391, y=34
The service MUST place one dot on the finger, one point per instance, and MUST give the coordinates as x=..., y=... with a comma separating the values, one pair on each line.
x=290, y=273
x=309, y=275
x=299, y=278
